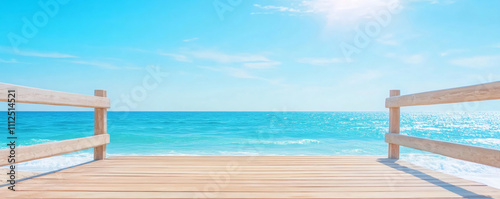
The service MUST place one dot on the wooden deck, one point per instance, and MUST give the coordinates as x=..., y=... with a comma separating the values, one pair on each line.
x=248, y=177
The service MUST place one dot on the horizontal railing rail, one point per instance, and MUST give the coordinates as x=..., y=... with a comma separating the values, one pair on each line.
x=99, y=102
x=475, y=154
x=50, y=149
x=48, y=97
x=482, y=92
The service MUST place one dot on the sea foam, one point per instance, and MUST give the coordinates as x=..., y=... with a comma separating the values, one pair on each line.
x=463, y=169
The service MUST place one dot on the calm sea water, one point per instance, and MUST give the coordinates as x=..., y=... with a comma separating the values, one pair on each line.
x=264, y=133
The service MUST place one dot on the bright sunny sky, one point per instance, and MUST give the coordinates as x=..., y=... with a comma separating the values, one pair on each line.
x=231, y=55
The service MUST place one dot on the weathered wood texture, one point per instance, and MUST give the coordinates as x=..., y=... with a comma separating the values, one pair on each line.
x=248, y=177
x=394, y=126
x=48, y=97
x=489, y=91
x=33, y=152
x=479, y=155
x=100, y=126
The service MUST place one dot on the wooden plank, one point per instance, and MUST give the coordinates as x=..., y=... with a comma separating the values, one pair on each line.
x=238, y=177
x=481, y=92
x=223, y=163
x=264, y=171
x=48, y=97
x=39, y=151
x=257, y=175
x=357, y=184
x=394, y=126
x=311, y=182
x=475, y=154
x=249, y=195
x=100, y=126
x=150, y=187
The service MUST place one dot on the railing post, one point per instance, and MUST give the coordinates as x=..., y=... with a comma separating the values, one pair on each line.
x=394, y=126
x=100, y=126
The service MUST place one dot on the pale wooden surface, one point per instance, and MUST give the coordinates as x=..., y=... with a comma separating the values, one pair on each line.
x=248, y=177
x=33, y=152
x=489, y=91
x=19, y=174
x=475, y=154
x=100, y=125
x=394, y=126
x=48, y=97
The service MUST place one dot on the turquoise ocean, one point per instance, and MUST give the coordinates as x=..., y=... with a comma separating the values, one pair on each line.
x=263, y=133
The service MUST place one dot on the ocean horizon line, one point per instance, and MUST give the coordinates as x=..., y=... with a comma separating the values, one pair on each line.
x=192, y=111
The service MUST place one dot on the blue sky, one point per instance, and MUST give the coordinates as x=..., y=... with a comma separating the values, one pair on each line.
x=230, y=55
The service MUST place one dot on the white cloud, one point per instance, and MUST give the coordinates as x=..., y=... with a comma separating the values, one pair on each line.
x=261, y=65
x=136, y=50
x=248, y=63
x=409, y=59
x=96, y=63
x=190, y=40
x=477, y=61
x=338, y=11
x=364, y=77
x=342, y=11
x=45, y=54
x=320, y=61
x=227, y=58
x=178, y=57
x=254, y=61
x=388, y=42
x=277, y=8
x=11, y=61
x=243, y=73
x=29, y=53
x=390, y=55
x=451, y=51
x=261, y=13
x=346, y=10
x=239, y=73
x=436, y=1
x=388, y=39
x=132, y=68
x=231, y=71
x=414, y=59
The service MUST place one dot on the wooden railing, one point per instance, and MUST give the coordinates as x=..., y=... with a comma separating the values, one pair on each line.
x=482, y=92
x=99, y=102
